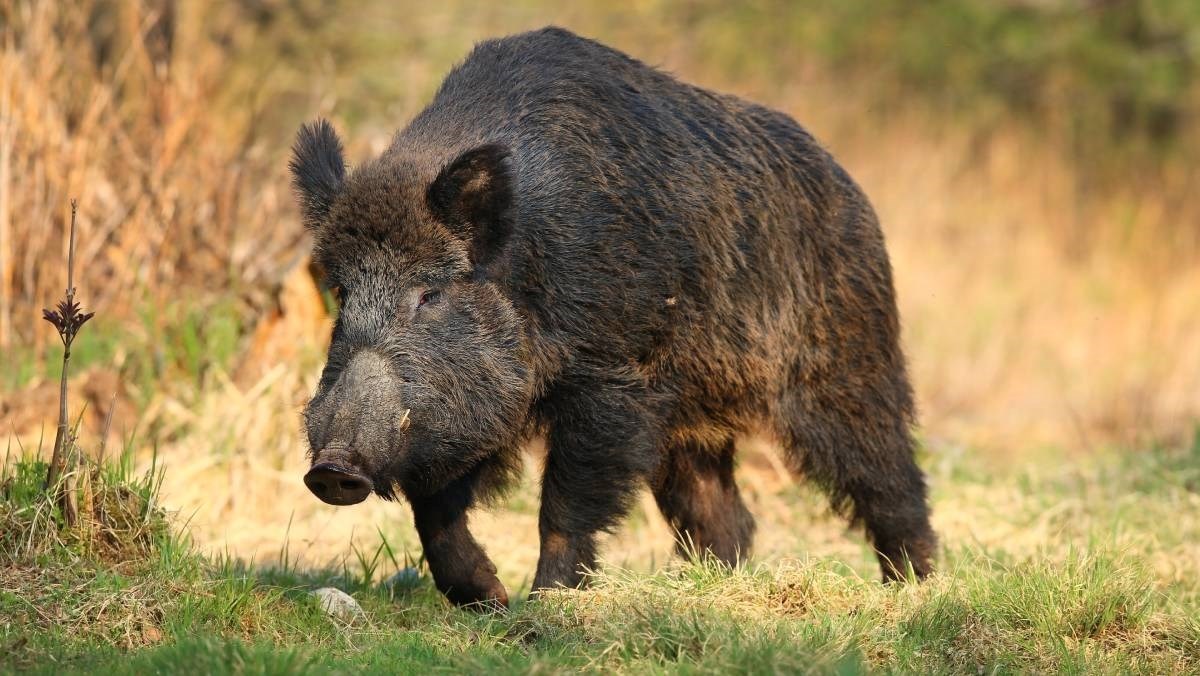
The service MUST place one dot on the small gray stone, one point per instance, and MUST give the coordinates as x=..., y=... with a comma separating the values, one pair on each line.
x=405, y=579
x=338, y=603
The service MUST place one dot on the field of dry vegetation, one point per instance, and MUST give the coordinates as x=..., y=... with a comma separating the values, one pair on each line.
x=1049, y=285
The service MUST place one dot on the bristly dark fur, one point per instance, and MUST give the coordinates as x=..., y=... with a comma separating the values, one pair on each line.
x=570, y=242
x=317, y=170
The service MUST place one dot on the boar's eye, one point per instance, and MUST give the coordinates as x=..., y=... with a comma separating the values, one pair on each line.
x=429, y=296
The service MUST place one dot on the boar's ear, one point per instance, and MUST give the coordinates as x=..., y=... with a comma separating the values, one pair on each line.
x=473, y=195
x=318, y=169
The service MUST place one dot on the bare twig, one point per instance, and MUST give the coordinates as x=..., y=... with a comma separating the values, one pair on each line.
x=67, y=319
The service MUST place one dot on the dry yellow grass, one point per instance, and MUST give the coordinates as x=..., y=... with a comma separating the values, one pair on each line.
x=97, y=104
x=1037, y=313
x=247, y=498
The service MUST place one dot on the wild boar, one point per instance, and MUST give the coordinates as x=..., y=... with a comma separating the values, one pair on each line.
x=569, y=243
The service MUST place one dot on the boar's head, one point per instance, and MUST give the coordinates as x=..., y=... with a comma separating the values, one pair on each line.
x=427, y=373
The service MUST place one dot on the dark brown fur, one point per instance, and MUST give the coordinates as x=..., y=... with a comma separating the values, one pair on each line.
x=638, y=269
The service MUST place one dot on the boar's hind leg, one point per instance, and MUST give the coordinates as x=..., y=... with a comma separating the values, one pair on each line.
x=696, y=492
x=866, y=464
x=461, y=570
x=600, y=449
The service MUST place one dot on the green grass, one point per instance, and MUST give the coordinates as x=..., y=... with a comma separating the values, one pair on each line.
x=1092, y=598
x=1128, y=69
x=177, y=342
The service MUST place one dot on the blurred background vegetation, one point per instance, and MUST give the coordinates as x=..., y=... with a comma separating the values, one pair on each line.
x=1033, y=163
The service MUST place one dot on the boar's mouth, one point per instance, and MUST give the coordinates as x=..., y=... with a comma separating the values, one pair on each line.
x=338, y=485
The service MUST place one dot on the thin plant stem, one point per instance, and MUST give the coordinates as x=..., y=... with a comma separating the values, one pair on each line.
x=67, y=320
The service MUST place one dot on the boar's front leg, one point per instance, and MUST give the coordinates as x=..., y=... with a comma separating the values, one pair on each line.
x=461, y=569
x=600, y=449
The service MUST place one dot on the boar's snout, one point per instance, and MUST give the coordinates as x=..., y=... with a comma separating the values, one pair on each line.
x=337, y=485
x=354, y=430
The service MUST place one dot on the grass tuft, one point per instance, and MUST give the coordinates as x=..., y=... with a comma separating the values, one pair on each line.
x=118, y=518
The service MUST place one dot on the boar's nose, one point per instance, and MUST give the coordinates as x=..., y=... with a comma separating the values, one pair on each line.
x=337, y=485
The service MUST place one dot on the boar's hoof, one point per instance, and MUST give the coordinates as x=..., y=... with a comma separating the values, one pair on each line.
x=494, y=599
x=337, y=485
x=483, y=593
